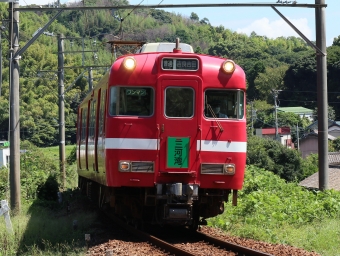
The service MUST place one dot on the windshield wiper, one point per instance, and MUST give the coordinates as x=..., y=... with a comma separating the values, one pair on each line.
x=215, y=117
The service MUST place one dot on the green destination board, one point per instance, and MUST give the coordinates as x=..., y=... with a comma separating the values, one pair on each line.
x=178, y=152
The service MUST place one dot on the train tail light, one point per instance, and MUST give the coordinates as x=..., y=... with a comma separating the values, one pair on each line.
x=129, y=63
x=124, y=166
x=228, y=66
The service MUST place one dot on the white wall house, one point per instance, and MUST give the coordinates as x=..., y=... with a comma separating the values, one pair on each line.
x=4, y=157
x=283, y=133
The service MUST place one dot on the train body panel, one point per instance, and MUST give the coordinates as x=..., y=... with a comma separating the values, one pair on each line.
x=169, y=133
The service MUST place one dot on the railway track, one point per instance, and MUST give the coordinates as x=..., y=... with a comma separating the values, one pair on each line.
x=200, y=241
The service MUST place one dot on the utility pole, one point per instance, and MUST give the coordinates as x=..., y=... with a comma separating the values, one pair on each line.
x=297, y=136
x=275, y=94
x=14, y=110
x=90, y=79
x=0, y=63
x=321, y=64
x=61, y=107
x=252, y=117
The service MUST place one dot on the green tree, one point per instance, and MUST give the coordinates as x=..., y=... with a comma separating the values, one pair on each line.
x=336, y=41
x=271, y=79
x=331, y=113
x=336, y=144
x=194, y=17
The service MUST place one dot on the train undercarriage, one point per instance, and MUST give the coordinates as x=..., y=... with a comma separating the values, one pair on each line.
x=166, y=204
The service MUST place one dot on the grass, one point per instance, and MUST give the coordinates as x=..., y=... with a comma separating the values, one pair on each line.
x=322, y=236
x=53, y=152
x=45, y=228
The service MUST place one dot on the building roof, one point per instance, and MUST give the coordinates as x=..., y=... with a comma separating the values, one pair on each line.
x=333, y=174
x=296, y=110
x=271, y=131
x=314, y=125
x=333, y=179
x=315, y=134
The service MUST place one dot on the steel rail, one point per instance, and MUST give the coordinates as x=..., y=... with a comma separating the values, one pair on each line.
x=241, y=250
x=151, y=239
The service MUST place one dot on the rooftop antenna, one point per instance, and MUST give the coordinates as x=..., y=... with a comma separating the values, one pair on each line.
x=177, y=48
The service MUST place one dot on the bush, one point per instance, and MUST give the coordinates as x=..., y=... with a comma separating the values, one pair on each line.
x=273, y=156
x=49, y=190
x=35, y=169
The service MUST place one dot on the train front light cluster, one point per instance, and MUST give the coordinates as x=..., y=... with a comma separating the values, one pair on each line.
x=124, y=166
x=129, y=63
x=228, y=66
x=229, y=169
x=132, y=166
x=224, y=169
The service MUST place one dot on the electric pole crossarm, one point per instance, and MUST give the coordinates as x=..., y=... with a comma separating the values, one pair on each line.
x=299, y=32
x=23, y=49
x=157, y=6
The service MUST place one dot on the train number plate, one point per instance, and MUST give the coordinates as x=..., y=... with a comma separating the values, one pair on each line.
x=180, y=64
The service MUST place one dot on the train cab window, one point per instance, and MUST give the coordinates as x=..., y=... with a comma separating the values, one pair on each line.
x=224, y=104
x=179, y=102
x=131, y=101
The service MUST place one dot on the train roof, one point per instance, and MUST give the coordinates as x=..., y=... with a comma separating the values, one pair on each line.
x=164, y=47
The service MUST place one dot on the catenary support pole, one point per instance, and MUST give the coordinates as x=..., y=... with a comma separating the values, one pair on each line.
x=90, y=79
x=0, y=63
x=321, y=61
x=14, y=122
x=61, y=107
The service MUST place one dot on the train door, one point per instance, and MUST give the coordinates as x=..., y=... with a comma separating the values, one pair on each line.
x=179, y=125
x=91, y=136
x=100, y=147
x=83, y=140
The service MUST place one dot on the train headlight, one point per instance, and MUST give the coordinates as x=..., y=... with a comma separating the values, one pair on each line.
x=129, y=63
x=124, y=166
x=229, y=169
x=228, y=66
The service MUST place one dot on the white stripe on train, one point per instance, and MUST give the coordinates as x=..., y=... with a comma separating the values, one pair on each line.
x=151, y=144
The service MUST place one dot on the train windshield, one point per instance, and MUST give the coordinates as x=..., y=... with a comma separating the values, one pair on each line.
x=224, y=104
x=131, y=101
x=179, y=102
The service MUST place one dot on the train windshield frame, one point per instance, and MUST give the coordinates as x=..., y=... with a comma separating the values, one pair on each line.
x=179, y=102
x=224, y=104
x=131, y=101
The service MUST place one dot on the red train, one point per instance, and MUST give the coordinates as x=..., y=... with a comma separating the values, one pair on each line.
x=162, y=137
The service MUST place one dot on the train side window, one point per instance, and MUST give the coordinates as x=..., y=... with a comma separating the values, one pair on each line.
x=92, y=119
x=179, y=102
x=241, y=104
x=83, y=125
x=113, y=100
x=131, y=101
x=102, y=112
x=223, y=103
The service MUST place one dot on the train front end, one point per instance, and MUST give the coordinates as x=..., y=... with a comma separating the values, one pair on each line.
x=176, y=135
